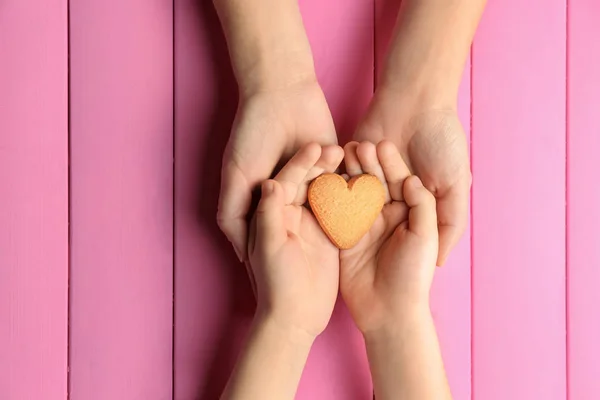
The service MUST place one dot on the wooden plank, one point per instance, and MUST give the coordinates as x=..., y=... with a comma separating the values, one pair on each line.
x=519, y=201
x=583, y=219
x=213, y=299
x=33, y=200
x=209, y=282
x=451, y=292
x=122, y=194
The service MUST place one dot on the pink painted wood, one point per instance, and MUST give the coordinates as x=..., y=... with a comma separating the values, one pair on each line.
x=518, y=150
x=121, y=100
x=33, y=200
x=583, y=219
x=533, y=335
x=211, y=290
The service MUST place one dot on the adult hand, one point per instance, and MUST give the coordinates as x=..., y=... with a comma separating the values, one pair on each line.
x=270, y=126
x=416, y=100
x=433, y=145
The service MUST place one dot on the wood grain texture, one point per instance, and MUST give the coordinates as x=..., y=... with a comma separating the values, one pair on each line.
x=213, y=300
x=451, y=291
x=519, y=202
x=33, y=199
x=121, y=199
x=583, y=199
x=214, y=304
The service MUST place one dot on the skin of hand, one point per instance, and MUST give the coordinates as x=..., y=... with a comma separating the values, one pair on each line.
x=295, y=265
x=268, y=129
x=415, y=104
x=434, y=146
x=392, y=267
x=281, y=107
x=296, y=268
x=386, y=278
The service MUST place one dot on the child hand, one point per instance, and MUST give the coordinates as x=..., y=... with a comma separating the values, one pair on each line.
x=295, y=266
x=388, y=274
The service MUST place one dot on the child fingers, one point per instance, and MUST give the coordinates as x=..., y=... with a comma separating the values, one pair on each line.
x=367, y=155
x=422, y=216
x=330, y=160
x=351, y=161
x=270, y=221
x=394, y=168
x=293, y=174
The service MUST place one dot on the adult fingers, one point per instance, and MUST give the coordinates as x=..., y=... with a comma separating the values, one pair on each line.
x=293, y=174
x=234, y=201
x=394, y=168
x=351, y=161
x=453, y=211
x=270, y=224
x=422, y=218
x=330, y=160
x=367, y=155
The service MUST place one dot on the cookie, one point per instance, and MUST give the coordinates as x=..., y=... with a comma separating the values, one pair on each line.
x=346, y=210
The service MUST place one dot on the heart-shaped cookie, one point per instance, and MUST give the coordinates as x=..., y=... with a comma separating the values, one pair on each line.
x=346, y=210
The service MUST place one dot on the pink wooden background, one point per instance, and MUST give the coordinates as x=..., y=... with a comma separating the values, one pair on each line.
x=115, y=282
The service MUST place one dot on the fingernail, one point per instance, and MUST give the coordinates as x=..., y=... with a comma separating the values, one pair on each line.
x=417, y=182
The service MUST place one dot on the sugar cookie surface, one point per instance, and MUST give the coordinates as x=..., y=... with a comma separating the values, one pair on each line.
x=346, y=210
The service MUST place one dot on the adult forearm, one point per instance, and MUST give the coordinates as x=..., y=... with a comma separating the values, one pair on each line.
x=267, y=43
x=406, y=362
x=429, y=48
x=271, y=364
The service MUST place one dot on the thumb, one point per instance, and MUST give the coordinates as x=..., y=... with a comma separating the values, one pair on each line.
x=270, y=222
x=422, y=217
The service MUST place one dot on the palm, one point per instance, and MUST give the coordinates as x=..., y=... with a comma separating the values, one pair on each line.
x=289, y=253
x=434, y=147
x=437, y=152
x=307, y=262
x=271, y=127
x=308, y=243
x=359, y=269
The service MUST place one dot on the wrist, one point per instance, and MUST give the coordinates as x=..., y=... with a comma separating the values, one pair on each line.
x=281, y=334
x=429, y=48
x=398, y=116
x=421, y=93
x=271, y=73
x=267, y=43
x=407, y=319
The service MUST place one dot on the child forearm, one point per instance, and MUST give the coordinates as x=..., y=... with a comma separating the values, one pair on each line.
x=406, y=361
x=271, y=364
